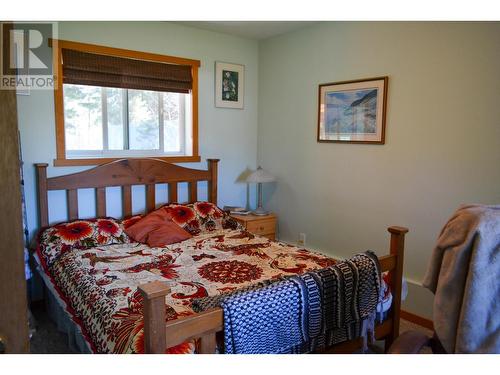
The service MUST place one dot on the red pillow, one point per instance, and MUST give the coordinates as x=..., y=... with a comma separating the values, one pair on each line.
x=157, y=229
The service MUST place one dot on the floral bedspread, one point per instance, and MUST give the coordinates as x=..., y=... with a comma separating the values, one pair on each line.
x=99, y=284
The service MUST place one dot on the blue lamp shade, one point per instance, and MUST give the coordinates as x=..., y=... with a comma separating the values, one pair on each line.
x=259, y=177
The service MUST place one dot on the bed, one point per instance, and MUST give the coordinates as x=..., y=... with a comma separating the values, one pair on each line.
x=126, y=297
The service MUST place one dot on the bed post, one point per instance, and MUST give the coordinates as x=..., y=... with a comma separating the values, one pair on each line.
x=153, y=294
x=212, y=183
x=43, y=208
x=396, y=279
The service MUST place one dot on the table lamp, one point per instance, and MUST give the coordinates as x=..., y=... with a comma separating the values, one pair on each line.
x=259, y=177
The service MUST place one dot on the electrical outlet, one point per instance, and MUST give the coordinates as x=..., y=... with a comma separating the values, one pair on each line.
x=302, y=239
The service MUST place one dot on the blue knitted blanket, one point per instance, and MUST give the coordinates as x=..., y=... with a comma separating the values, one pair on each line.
x=304, y=313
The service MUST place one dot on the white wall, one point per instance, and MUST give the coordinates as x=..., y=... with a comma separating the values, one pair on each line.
x=442, y=143
x=228, y=134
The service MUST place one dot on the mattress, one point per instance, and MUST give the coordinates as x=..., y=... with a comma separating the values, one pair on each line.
x=97, y=287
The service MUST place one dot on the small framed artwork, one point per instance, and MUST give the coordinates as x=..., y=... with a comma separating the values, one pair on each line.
x=353, y=111
x=229, y=85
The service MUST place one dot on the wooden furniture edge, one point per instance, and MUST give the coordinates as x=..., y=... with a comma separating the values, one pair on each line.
x=184, y=329
x=154, y=294
x=123, y=173
x=204, y=325
x=252, y=217
x=122, y=52
x=266, y=224
x=43, y=204
x=417, y=319
x=100, y=161
x=396, y=248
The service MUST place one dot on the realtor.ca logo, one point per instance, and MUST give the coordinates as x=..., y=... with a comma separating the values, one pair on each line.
x=26, y=56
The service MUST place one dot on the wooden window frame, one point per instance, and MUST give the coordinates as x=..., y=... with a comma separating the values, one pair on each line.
x=57, y=46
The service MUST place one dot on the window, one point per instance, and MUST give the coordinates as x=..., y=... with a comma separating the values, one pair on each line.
x=107, y=122
x=110, y=107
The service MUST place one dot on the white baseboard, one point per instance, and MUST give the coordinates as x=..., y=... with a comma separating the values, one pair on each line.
x=419, y=300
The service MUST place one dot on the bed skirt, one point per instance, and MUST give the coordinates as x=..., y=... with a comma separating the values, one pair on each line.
x=56, y=309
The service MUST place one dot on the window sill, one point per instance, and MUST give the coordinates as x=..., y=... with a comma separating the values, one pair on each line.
x=98, y=161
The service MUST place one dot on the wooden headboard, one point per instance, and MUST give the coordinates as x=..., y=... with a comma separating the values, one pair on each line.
x=124, y=173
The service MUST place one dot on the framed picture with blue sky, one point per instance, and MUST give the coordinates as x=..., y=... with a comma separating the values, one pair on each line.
x=353, y=111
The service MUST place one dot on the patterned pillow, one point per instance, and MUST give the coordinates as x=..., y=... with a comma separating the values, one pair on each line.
x=80, y=234
x=201, y=217
x=131, y=221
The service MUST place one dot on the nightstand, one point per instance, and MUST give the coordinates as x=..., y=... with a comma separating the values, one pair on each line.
x=264, y=226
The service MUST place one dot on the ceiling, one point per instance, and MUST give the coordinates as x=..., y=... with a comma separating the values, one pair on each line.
x=250, y=29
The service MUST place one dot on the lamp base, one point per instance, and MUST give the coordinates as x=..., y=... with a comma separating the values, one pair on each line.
x=260, y=212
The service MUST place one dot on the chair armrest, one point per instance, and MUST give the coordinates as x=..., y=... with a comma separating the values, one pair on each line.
x=409, y=342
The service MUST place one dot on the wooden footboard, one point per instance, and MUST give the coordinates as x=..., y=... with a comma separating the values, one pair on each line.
x=159, y=335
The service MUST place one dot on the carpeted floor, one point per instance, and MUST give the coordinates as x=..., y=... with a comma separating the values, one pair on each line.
x=409, y=326
x=48, y=340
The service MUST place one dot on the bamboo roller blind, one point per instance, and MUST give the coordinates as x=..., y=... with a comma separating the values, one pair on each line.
x=85, y=68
